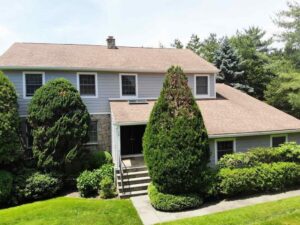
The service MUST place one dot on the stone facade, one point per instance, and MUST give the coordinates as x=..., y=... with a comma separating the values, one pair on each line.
x=104, y=131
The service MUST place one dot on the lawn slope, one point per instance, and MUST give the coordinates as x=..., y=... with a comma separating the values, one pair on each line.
x=72, y=211
x=282, y=212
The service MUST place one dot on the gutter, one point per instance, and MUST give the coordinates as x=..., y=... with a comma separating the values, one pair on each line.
x=247, y=134
x=87, y=69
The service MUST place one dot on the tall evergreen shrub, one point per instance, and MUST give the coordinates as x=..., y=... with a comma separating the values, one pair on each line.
x=175, y=142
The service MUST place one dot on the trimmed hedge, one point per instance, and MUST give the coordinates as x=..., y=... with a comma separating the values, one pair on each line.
x=99, y=158
x=6, y=181
x=262, y=178
x=172, y=203
x=289, y=152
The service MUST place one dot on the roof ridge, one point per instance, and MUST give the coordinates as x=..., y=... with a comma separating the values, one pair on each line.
x=121, y=46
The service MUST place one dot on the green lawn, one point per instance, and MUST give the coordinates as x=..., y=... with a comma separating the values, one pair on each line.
x=72, y=211
x=282, y=212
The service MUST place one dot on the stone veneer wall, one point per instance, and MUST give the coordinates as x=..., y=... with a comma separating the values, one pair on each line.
x=104, y=131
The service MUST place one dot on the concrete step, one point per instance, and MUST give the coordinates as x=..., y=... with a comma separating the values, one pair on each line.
x=132, y=194
x=136, y=180
x=134, y=187
x=132, y=169
x=130, y=175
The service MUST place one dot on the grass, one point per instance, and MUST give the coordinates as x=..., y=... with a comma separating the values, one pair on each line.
x=282, y=212
x=72, y=211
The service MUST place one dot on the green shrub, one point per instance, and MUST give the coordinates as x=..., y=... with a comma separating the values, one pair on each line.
x=107, y=188
x=6, y=182
x=107, y=170
x=10, y=147
x=31, y=185
x=87, y=183
x=97, y=159
x=261, y=178
x=59, y=121
x=288, y=152
x=238, y=160
x=172, y=203
x=175, y=143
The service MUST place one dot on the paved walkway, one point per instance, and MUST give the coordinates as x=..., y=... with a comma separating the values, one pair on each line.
x=151, y=216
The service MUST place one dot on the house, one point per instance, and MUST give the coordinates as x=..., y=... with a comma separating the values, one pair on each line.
x=119, y=86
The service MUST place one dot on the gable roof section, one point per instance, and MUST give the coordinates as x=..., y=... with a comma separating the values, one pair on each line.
x=100, y=58
x=232, y=113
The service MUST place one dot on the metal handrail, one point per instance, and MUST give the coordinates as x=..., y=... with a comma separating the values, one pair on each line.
x=121, y=174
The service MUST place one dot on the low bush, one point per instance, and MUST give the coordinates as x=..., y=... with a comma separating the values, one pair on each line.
x=261, y=178
x=170, y=202
x=107, y=188
x=33, y=185
x=288, y=152
x=99, y=158
x=6, y=182
x=87, y=183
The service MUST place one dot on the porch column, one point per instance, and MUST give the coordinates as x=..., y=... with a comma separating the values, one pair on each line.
x=116, y=146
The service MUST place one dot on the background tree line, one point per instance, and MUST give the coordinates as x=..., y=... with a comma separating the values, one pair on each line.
x=247, y=60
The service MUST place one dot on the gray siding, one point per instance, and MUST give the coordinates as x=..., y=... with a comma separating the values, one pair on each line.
x=243, y=144
x=149, y=86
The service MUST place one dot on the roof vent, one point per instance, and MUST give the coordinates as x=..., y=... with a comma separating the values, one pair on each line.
x=137, y=101
x=111, y=42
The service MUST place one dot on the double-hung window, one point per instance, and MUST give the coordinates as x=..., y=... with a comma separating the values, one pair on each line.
x=87, y=84
x=32, y=82
x=201, y=85
x=224, y=147
x=128, y=85
x=277, y=140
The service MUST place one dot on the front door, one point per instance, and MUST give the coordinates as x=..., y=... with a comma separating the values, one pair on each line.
x=132, y=139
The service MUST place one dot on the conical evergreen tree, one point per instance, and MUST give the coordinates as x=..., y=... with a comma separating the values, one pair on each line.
x=175, y=142
x=229, y=63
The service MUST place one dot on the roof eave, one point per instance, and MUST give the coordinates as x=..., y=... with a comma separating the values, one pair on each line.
x=257, y=133
x=132, y=70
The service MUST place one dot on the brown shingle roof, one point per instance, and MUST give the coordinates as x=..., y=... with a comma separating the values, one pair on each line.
x=233, y=112
x=98, y=57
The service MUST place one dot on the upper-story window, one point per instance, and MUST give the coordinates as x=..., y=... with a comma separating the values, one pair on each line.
x=277, y=140
x=128, y=85
x=201, y=85
x=32, y=81
x=87, y=84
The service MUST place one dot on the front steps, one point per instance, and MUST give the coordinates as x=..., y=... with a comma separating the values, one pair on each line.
x=135, y=181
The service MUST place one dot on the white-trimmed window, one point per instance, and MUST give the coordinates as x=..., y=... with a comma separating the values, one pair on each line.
x=93, y=133
x=277, y=140
x=31, y=82
x=87, y=84
x=201, y=86
x=224, y=147
x=128, y=85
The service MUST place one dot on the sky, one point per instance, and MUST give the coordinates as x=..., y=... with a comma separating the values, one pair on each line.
x=132, y=22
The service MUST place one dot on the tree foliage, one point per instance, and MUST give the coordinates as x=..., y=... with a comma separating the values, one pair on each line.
x=60, y=122
x=229, y=63
x=10, y=148
x=284, y=93
x=209, y=47
x=253, y=48
x=194, y=44
x=175, y=142
x=289, y=21
x=177, y=44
